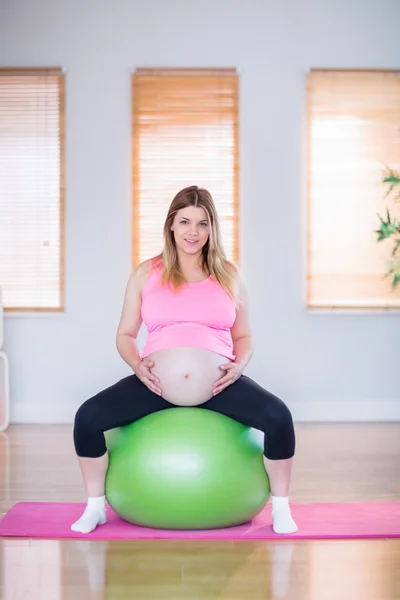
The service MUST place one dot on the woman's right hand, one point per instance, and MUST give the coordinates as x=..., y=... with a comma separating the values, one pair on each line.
x=142, y=372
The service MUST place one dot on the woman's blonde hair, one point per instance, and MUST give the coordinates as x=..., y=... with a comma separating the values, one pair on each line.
x=213, y=259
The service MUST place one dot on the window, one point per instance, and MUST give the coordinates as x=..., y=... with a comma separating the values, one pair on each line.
x=32, y=189
x=353, y=134
x=185, y=132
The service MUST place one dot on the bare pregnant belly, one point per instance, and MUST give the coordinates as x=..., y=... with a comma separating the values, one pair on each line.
x=187, y=375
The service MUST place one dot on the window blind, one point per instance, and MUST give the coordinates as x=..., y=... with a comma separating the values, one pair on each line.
x=32, y=189
x=185, y=132
x=353, y=134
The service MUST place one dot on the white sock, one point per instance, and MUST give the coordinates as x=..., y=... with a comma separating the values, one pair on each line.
x=282, y=521
x=93, y=515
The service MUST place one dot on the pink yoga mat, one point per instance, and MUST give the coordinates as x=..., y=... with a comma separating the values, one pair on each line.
x=315, y=521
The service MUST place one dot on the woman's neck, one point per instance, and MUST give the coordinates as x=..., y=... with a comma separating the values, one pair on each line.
x=191, y=266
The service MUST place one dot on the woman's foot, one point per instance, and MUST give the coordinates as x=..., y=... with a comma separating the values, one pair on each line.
x=93, y=515
x=282, y=520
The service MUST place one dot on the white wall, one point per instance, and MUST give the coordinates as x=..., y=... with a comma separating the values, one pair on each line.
x=330, y=366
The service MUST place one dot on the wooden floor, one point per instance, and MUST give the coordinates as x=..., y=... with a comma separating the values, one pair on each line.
x=334, y=462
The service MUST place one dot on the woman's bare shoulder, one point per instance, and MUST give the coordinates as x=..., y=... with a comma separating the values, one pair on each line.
x=239, y=280
x=142, y=271
x=235, y=271
x=231, y=267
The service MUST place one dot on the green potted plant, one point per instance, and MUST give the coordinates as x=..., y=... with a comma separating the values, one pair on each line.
x=390, y=228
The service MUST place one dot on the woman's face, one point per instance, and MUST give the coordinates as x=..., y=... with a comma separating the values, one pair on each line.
x=191, y=229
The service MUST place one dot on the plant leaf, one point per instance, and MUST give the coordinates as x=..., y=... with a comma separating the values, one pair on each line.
x=396, y=280
x=393, y=179
x=388, y=227
x=396, y=247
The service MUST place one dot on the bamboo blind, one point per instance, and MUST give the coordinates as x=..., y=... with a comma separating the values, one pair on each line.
x=185, y=132
x=32, y=189
x=353, y=133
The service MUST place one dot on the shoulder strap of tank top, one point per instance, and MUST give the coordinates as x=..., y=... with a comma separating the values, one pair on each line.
x=153, y=275
x=155, y=266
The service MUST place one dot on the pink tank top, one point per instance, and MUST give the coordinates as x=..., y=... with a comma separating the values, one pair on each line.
x=198, y=315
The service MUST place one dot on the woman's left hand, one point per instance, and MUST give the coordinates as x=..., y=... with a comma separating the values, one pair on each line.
x=233, y=372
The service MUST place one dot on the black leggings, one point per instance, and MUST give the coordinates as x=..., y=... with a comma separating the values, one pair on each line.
x=130, y=400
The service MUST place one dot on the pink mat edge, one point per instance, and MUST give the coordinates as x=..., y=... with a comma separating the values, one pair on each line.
x=167, y=534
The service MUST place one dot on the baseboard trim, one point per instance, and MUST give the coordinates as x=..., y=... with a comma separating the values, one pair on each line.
x=328, y=411
x=56, y=414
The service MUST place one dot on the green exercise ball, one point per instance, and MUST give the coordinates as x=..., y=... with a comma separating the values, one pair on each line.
x=186, y=468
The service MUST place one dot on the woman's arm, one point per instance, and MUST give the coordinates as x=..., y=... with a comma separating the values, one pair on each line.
x=129, y=326
x=241, y=331
x=242, y=343
x=131, y=318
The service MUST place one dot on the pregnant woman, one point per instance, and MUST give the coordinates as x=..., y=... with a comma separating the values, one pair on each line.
x=194, y=305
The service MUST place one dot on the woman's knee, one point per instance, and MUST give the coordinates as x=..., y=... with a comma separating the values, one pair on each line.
x=280, y=438
x=284, y=417
x=85, y=415
x=88, y=437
